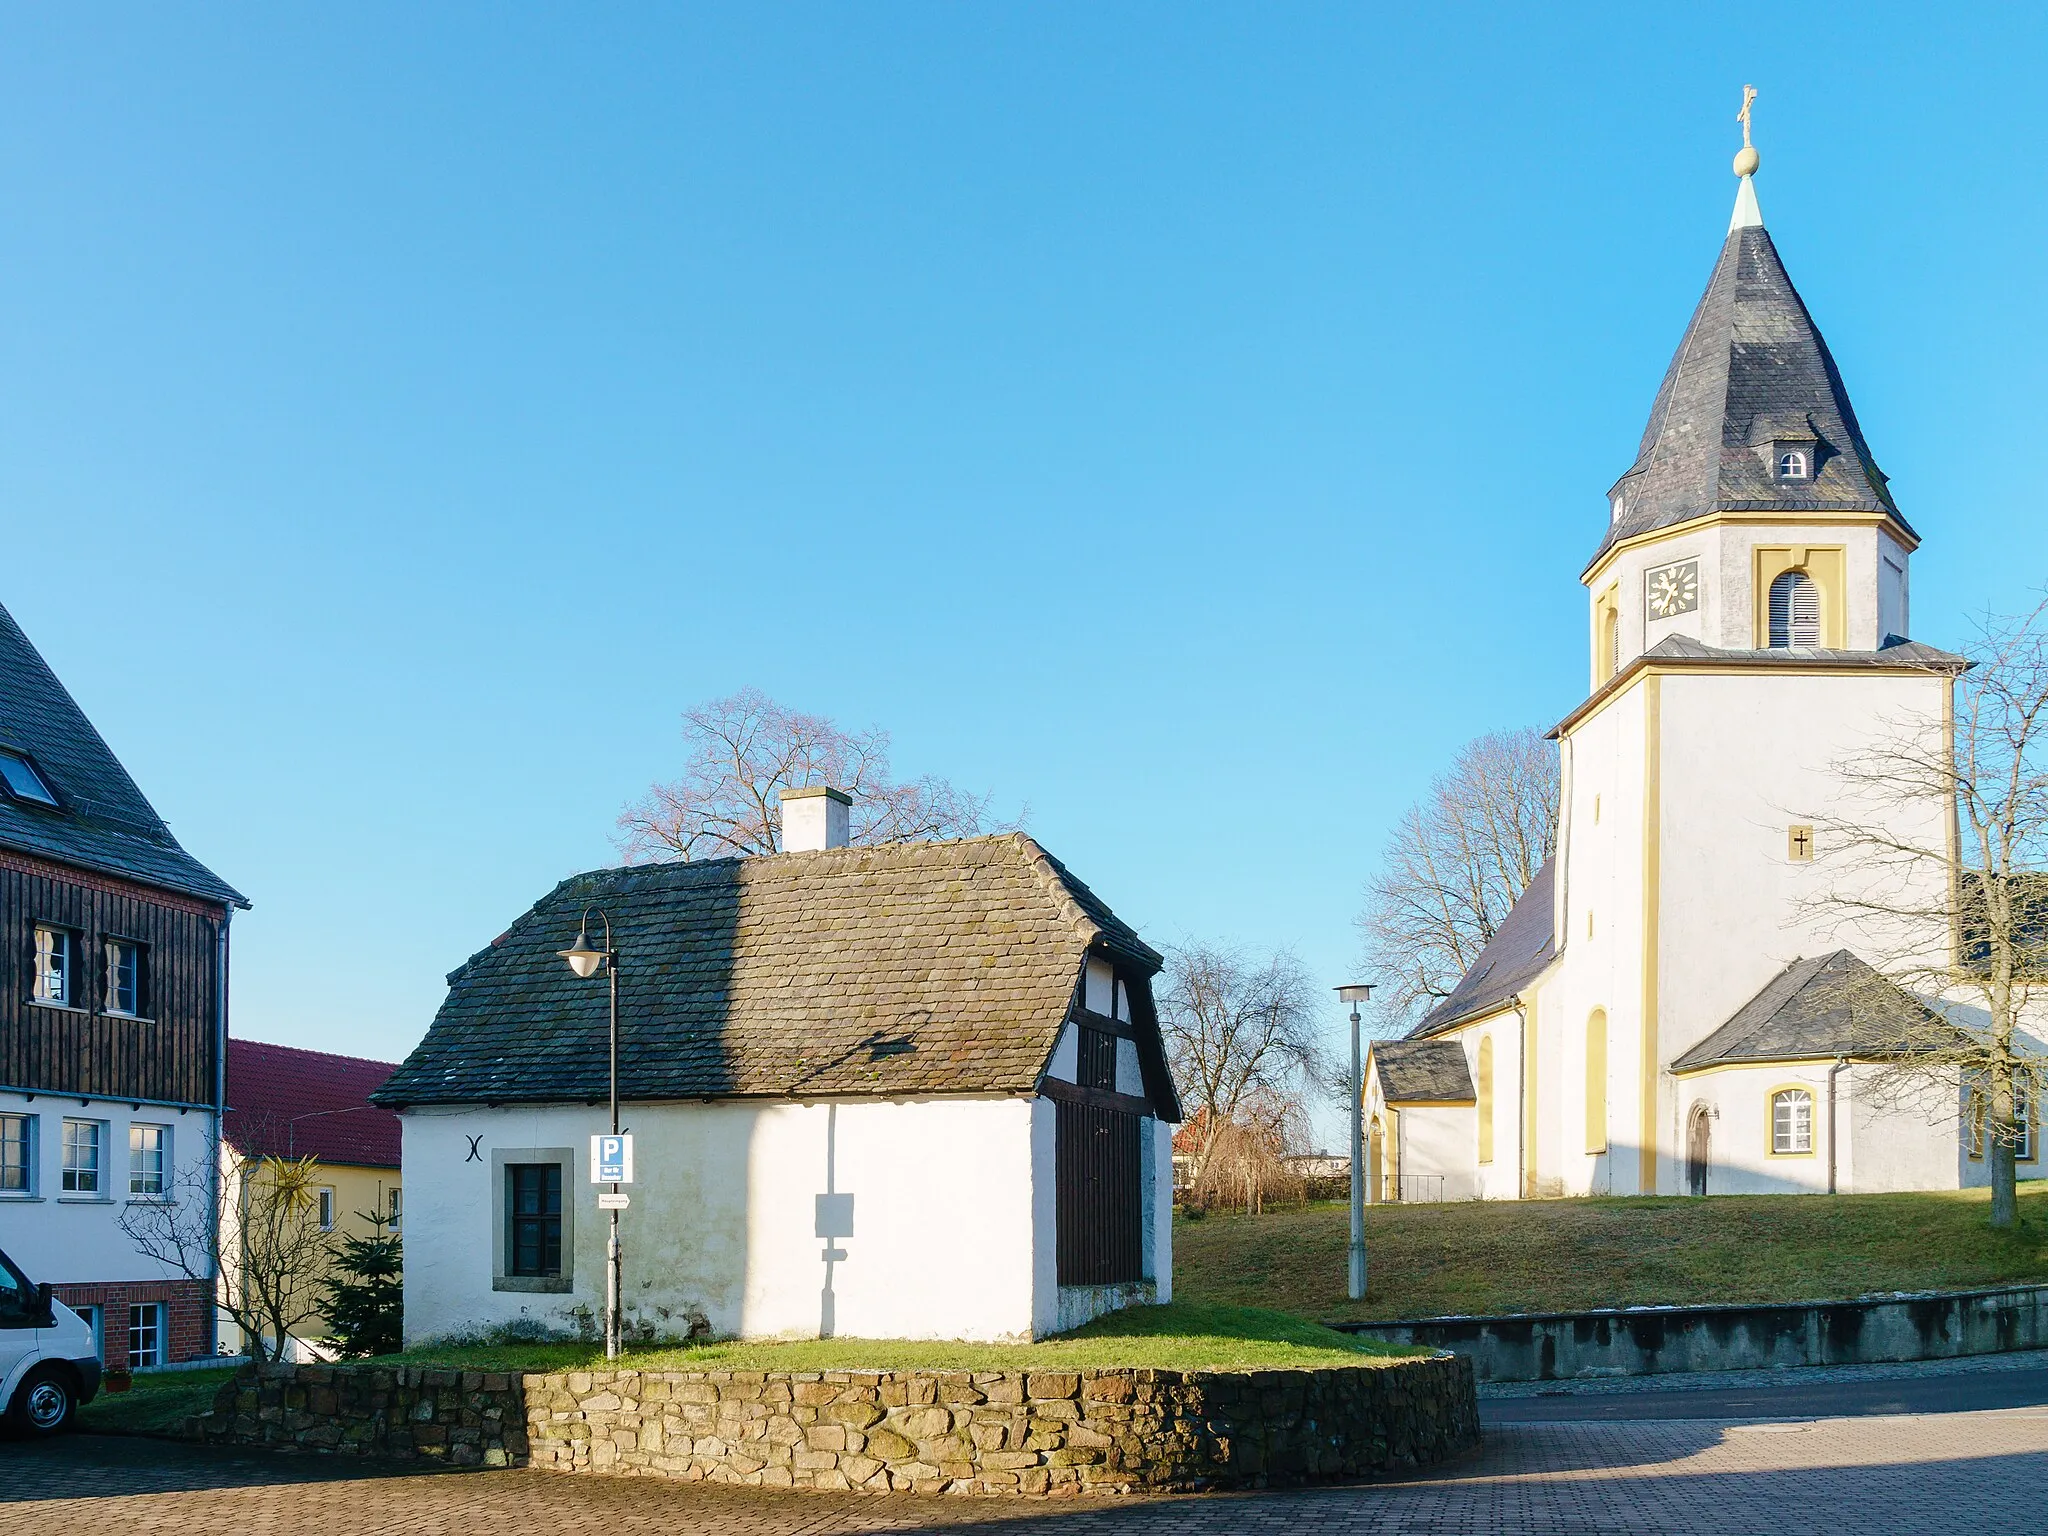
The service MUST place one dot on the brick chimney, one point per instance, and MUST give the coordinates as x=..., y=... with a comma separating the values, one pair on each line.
x=813, y=819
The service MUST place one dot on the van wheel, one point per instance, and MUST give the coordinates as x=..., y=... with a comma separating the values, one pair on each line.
x=45, y=1401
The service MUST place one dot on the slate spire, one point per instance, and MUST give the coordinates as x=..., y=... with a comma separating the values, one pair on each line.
x=1752, y=380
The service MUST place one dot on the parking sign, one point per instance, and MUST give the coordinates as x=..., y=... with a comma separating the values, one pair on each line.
x=611, y=1159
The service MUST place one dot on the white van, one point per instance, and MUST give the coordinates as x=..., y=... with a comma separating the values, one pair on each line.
x=47, y=1362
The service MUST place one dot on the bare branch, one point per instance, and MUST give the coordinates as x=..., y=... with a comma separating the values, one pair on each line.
x=746, y=749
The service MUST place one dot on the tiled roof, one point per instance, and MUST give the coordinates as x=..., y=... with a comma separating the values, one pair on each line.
x=1752, y=367
x=102, y=823
x=1836, y=1005
x=1516, y=955
x=942, y=967
x=285, y=1102
x=1423, y=1071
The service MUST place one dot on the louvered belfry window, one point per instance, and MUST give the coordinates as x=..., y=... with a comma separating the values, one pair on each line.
x=1795, y=611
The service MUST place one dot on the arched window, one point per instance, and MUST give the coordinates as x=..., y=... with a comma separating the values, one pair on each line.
x=1486, y=1100
x=1792, y=466
x=1791, y=1122
x=1795, y=610
x=1596, y=1081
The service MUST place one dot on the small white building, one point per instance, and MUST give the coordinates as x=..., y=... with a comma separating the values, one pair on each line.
x=913, y=1091
x=1668, y=1008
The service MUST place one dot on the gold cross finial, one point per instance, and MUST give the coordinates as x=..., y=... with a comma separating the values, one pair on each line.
x=1746, y=158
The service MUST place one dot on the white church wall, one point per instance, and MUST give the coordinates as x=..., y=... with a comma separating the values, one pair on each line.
x=1499, y=1177
x=1741, y=1159
x=1600, y=932
x=1894, y=611
x=1900, y=1145
x=1439, y=1143
x=950, y=1231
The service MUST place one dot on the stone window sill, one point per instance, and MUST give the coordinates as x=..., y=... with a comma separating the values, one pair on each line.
x=558, y=1285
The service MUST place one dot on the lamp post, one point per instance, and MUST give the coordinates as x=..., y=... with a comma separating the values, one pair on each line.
x=586, y=960
x=1358, y=992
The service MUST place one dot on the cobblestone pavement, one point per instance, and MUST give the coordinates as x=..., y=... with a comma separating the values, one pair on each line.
x=1950, y=1472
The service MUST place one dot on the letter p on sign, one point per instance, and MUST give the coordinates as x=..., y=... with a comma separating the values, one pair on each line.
x=611, y=1159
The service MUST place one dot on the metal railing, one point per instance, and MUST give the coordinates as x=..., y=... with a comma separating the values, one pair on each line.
x=1410, y=1189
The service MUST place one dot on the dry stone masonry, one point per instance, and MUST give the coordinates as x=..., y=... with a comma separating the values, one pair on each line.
x=1006, y=1432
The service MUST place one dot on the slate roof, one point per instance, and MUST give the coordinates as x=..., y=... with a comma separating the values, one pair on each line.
x=1424, y=1071
x=1836, y=1005
x=1682, y=649
x=102, y=821
x=1751, y=367
x=1517, y=954
x=944, y=967
x=286, y=1102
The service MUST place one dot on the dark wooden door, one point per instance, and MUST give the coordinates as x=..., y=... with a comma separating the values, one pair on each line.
x=1098, y=1179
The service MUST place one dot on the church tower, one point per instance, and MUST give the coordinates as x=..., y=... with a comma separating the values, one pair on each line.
x=1754, y=516
x=1670, y=1008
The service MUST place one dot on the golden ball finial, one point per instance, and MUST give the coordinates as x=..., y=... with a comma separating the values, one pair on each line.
x=1747, y=160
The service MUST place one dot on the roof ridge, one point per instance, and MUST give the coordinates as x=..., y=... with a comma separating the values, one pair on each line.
x=301, y=1050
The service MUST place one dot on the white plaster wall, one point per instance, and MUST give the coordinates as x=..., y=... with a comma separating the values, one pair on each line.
x=1440, y=1141
x=1159, y=1209
x=1600, y=930
x=1745, y=757
x=73, y=1239
x=1501, y=1178
x=1911, y=1145
x=1739, y=1150
x=1894, y=589
x=1726, y=617
x=952, y=1217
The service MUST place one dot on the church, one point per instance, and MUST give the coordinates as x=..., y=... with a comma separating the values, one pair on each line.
x=1667, y=1010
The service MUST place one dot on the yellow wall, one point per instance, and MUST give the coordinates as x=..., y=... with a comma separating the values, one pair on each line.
x=356, y=1190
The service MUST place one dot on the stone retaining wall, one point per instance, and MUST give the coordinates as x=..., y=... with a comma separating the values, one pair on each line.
x=466, y=1418
x=1037, y=1432
x=1650, y=1341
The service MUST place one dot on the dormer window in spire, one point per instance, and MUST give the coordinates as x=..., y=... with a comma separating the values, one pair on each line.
x=1792, y=466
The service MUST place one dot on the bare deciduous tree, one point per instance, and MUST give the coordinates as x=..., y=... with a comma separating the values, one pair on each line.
x=746, y=749
x=266, y=1257
x=1935, y=865
x=1241, y=1037
x=1245, y=1164
x=1454, y=867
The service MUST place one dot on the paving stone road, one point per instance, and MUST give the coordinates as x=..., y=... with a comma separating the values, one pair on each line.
x=1958, y=1472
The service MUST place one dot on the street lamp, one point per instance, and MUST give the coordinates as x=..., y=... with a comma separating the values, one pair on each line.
x=1358, y=992
x=586, y=960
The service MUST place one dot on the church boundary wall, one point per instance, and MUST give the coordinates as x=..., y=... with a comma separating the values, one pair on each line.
x=1000, y=1432
x=1656, y=1341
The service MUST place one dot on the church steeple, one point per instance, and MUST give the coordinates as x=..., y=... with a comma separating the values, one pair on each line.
x=1752, y=415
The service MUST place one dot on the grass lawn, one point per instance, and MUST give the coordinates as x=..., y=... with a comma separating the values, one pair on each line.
x=155, y=1404
x=1178, y=1337
x=1568, y=1255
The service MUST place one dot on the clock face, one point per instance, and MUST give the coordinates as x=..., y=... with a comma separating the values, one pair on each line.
x=1670, y=590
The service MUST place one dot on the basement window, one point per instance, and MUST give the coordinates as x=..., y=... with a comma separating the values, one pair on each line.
x=23, y=781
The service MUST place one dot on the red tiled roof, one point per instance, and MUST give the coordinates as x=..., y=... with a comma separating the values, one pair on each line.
x=285, y=1102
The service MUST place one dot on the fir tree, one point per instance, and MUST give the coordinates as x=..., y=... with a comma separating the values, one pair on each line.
x=365, y=1301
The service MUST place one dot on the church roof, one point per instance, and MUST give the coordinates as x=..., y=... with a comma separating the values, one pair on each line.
x=1423, y=1071
x=1682, y=650
x=1836, y=1005
x=1751, y=371
x=1515, y=956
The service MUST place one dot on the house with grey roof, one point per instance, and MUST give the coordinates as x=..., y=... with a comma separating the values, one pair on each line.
x=1670, y=1007
x=909, y=1091
x=113, y=1023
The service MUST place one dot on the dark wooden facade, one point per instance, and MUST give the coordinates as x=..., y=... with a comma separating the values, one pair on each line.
x=167, y=1057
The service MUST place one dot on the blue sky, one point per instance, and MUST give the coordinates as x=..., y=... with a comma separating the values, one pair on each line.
x=1189, y=423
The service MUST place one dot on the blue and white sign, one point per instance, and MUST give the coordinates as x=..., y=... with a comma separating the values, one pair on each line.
x=611, y=1159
